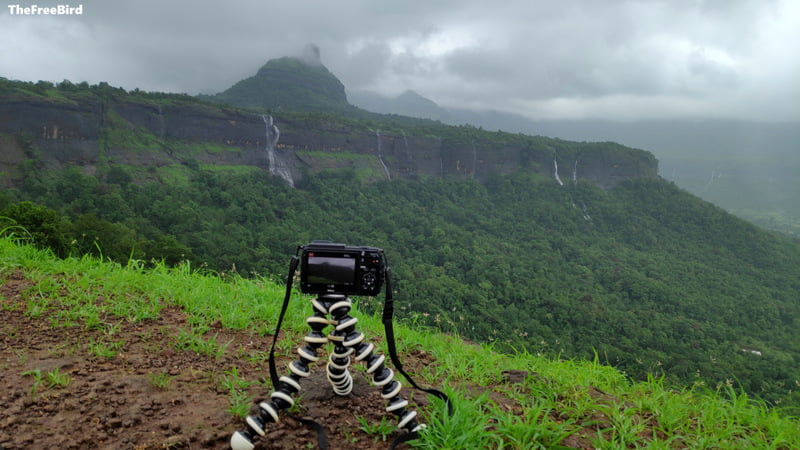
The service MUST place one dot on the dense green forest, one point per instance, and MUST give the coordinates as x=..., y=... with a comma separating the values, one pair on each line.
x=645, y=276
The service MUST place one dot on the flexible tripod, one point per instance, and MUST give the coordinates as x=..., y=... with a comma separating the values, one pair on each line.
x=347, y=342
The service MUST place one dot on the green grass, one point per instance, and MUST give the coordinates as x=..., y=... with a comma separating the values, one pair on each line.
x=549, y=403
x=53, y=379
x=239, y=402
x=195, y=148
x=341, y=155
x=105, y=350
x=160, y=380
x=193, y=340
x=231, y=380
x=381, y=430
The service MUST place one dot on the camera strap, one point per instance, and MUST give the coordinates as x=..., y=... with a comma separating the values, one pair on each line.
x=322, y=435
x=388, y=313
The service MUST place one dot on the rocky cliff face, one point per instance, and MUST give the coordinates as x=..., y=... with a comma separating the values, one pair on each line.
x=125, y=130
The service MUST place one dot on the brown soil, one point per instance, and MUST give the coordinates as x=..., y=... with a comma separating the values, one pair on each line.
x=123, y=401
x=119, y=402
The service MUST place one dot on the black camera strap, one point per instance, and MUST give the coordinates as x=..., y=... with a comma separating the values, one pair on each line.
x=322, y=435
x=388, y=326
x=273, y=372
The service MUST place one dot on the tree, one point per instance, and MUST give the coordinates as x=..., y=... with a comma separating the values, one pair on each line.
x=43, y=225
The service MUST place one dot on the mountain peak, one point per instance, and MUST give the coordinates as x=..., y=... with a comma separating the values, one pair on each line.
x=299, y=83
x=409, y=93
x=311, y=55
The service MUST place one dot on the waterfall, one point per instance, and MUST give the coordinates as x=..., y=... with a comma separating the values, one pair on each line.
x=575, y=173
x=586, y=215
x=555, y=169
x=474, y=159
x=380, y=155
x=277, y=166
x=714, y=176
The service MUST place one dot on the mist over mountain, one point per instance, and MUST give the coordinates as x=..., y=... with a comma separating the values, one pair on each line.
x=409, y=103
x=746, y=167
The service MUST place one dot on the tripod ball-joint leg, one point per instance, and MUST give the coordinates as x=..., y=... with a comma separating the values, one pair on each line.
x=281, y=398
x=349, y=341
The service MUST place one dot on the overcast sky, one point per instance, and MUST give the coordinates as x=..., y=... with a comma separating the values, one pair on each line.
x=610, y=59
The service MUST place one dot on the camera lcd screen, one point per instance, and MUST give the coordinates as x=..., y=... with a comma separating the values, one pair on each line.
x=331, y=270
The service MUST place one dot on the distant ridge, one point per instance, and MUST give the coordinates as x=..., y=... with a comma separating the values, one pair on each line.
x=409, y=103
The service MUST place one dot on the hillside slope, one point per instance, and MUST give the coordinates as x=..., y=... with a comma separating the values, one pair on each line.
x=98, y=355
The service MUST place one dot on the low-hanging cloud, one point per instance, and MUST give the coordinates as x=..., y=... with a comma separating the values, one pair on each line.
x=611, y=59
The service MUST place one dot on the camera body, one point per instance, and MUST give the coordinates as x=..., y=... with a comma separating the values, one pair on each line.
x=331, y=268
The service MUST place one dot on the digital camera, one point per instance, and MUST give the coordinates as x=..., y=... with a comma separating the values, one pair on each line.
x=330, y=268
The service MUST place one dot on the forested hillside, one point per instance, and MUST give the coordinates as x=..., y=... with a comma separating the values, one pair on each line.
x=646, y=276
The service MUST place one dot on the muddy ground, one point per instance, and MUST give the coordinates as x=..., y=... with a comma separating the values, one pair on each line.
x=57, y=393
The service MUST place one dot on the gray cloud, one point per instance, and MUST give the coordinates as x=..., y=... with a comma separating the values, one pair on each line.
x=611, y=59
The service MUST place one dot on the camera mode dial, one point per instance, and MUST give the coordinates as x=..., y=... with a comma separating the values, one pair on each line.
x=369, y=279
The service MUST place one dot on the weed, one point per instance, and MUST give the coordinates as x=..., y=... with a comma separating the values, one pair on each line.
x=349, y=436
x=105, y=350
x=161, y=380
x=381, y=430
x=36, y=307
x=467, y=427
x=9, y=229
x=37, y=379
x=21, y=355
x=295, y=407
x=238, y=403
x=254, y=357
x=111, y=329
x=56, y=379
x=534, y=428
x=231, y=380
x=47, y=380
x=193, y=341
